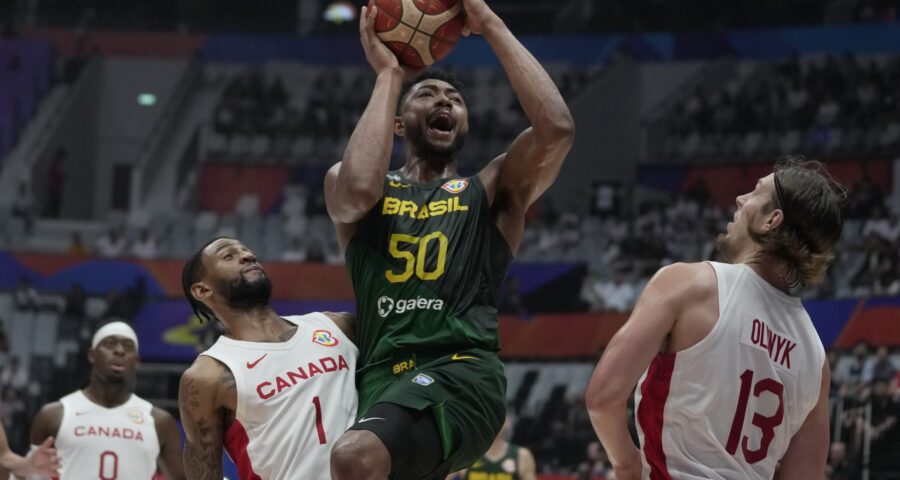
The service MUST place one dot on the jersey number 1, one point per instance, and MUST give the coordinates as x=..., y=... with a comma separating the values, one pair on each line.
x=766, y=424
x=320, y=428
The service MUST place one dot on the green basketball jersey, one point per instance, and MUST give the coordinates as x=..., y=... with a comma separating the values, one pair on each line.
x=426, y=266
x=505, y=468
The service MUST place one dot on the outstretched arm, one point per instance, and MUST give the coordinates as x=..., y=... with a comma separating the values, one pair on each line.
x=533, y=161
x=354, y=185
x=203, y=421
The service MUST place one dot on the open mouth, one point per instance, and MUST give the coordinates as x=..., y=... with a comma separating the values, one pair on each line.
x=441, y=122
x=117, y=367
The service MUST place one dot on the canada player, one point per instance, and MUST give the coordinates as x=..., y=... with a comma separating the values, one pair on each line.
x=106, y=431
x=737, y=380
x=274, y=392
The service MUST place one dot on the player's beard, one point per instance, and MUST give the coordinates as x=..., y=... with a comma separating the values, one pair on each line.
x=243, y=294
x=723, y=247
x=425, y=148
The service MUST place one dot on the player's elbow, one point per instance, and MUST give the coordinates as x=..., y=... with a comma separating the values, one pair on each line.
x=557, y=132
x=602, y=400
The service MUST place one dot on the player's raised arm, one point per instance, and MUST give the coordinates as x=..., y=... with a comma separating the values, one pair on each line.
x=533, y=161
x=170, y=457
x=203, y=420
x=354, y=185
x=628, y=355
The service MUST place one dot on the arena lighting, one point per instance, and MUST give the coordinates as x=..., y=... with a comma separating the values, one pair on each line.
x=340, y=12
x=146, y=99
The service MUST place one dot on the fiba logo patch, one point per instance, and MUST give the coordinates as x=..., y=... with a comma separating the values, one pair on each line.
x=324, y=338
x=508, y=465
x=456, y=186
x=136, y=416
x=422, y=379
x=385, y=306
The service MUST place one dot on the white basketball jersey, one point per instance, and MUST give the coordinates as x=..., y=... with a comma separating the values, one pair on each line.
x=727, y=407
x=294, y=399
x=95, y=442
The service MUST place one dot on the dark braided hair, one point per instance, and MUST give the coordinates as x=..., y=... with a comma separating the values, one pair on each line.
x=191, y=273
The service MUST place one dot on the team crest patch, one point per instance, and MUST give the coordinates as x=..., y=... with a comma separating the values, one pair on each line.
x=136, y=416
x=324, y=338
x=508, y=465
x=423, y=380
x=456, y=186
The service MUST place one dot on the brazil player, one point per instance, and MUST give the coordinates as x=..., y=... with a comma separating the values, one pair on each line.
x=503, y=461
x=427, y=249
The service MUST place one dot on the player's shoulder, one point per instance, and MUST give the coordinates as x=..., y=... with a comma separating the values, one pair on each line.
x=205, y=370
x=162, y=418
x=51, y=410
x=47, y=421
x=685, y=279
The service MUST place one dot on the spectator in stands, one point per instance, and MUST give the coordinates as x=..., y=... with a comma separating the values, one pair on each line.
x=77, y=247
x=12, y=413
x=145, y=247
x=880, y=230
x=111, y=244
x=595, y=464
x=56, y=177
x=849, y=370
x=25, y=297
x=295, y=252
x=617, y=295
x=884, y=428
x=879, y=368
x=23, y=206
x=840, y=467
x=14, y=376
x=74, y=313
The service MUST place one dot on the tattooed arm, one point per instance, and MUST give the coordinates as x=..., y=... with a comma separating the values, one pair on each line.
x=206, y=399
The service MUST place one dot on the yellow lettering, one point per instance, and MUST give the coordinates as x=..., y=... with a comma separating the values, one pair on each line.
x=408, y=206
x=397, y=184
x=438, y=208
x=391, y=206
x=457, y=207
x=423, y=214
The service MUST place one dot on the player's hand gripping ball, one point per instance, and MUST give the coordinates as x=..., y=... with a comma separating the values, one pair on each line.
x=419, y=32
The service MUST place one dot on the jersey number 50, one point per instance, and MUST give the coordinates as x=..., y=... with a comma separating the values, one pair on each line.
x=417, y=263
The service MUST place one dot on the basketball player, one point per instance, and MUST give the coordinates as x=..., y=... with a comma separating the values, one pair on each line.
x=502, y=461
x=105, y=430
x=274, y=392
x=737, y=379
x=427, y=249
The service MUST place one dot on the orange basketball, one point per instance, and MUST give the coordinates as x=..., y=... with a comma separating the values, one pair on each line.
x=419, y=32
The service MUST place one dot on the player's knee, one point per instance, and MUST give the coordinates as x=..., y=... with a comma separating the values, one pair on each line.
x=359, y=455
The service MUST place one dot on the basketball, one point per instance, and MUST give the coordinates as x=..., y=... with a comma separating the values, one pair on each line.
x=419, y=32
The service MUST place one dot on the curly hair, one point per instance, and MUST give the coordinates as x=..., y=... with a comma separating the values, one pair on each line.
x=812, y=205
